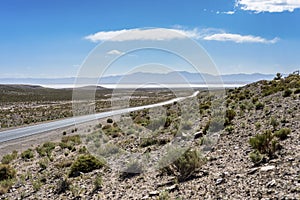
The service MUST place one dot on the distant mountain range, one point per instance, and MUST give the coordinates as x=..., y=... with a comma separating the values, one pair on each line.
x=180, y=77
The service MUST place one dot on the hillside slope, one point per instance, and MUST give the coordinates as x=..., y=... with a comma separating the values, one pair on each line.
x=232, y=168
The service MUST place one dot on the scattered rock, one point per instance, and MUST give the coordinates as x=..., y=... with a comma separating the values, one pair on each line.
x=271, y=183
x=153, y=193
x=219, y=181
x=253, y=170
x=198, y=135
x=172, y=188
x=267, y=168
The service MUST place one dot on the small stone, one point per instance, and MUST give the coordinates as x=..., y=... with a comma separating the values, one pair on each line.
x=172, y=188
x=219, y=181
x=267, y=168
x=198, y=135
x=153, y=193
x=291, y=159
x=226, y=174
x=253, y=170
x=271, y=183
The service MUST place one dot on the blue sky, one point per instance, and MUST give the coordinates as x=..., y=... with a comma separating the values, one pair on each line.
x=52, y=38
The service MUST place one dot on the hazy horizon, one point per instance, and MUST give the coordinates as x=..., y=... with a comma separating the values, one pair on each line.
x=53, y=39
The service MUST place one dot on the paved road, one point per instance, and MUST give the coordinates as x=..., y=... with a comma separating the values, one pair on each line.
x=49, y=126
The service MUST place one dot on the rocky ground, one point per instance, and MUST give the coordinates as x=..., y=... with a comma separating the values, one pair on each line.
x=225, y=171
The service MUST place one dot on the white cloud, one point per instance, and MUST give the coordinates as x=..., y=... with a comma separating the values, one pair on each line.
x=157, y=34
x=229, y=12
x=115, y=52
x=268, y=5
x=239, y=38
x=161, y=34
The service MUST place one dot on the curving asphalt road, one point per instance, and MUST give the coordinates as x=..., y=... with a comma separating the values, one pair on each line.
x=49, y=126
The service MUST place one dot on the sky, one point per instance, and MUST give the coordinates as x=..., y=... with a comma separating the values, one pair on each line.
x=47, y=39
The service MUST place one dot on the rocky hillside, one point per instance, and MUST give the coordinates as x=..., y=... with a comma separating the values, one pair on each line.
x=248, y=148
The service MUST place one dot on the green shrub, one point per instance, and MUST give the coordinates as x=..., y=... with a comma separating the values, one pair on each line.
x=43, y=163
x=164, y=195
x=255, y=156
x=27, y=155
x=98, y=182
x=85, y=164
x=83, y=150
x=5, y=185
x=62, y=186
x=282, y=133
x=274, y=122
x=259, y=106
x=229, y=129
x=230, y=114
x=257, y=125
x=297, y=91
x=109, y=120
x=9, y=157
x=181, y=163
x=145, y=142
x=6, y=172
x=69, y=142
x=263, y=143
x=46, y=149
x=71, y=139
x=287, y=93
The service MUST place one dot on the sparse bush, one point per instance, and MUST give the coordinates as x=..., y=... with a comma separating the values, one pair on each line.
x=274, y=122
x=37, y=185
x=62, y=186
x=98, y=182
x=229, y=129
x=255, y=156
x=71, y=139
x=164, y=195
x=287, y=93
x=85, y=164
x=181, y=163
x=27, y=155
x=108, y=149
x=43, y=163
x=83, y=150
x=257, y=125
x=282, y=133
x=297, y=91
x=145, y=142
x=5, y=185
x=69, y=142
x=278, y=76
x=63, y=164
x=7, y=175
x=46, y=149
x=109, y=120
x=259, y=106
x=230, y=114
x=264, y=143
x=254, y=100
x=9, y=157
x=6, y=172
